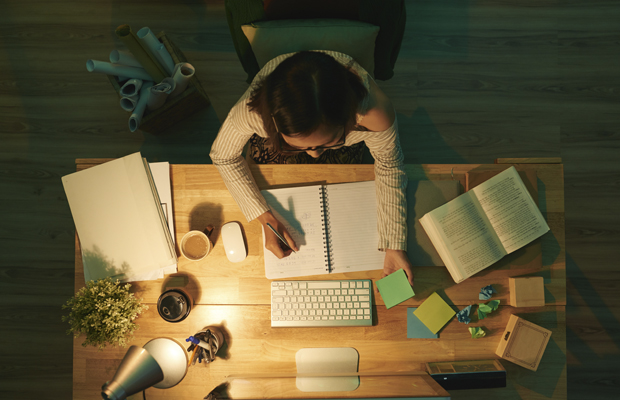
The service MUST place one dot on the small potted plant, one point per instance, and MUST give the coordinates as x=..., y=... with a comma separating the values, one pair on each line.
x=104, y=311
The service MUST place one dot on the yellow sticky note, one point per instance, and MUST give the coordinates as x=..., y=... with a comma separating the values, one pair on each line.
x=434, y=313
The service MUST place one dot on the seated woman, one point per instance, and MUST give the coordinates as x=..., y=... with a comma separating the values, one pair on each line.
x=323, y=106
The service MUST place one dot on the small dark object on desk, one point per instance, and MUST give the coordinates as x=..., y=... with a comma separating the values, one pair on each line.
x=174, y=305
x=455, y=375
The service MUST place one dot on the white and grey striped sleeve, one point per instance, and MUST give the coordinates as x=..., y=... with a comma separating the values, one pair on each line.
x=391, y=185
x=226, y=154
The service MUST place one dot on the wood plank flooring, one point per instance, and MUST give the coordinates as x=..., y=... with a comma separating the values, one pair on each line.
x=475, y=80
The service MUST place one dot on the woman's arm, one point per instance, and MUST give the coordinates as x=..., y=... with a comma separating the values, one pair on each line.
x=390, y=180
x=226, y=154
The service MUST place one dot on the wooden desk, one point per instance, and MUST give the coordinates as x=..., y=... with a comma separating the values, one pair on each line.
x=236, y=297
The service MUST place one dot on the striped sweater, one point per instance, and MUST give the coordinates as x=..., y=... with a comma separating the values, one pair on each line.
x=390, y=178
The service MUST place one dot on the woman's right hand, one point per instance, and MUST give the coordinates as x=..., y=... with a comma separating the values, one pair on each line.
x=272, y=243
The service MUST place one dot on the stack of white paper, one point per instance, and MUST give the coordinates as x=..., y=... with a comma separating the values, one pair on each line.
x=120, y=222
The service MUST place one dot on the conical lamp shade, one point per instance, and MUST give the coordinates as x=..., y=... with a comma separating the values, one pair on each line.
x=137, y=371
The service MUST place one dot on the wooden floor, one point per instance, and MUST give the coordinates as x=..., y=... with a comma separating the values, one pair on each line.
x=475, y=80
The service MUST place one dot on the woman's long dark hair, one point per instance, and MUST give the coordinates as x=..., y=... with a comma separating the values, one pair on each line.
x=306, y=91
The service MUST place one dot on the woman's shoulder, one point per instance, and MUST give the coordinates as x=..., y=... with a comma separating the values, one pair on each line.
x=378, y=114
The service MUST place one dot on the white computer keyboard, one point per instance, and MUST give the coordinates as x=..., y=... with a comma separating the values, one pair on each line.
x=321, y=303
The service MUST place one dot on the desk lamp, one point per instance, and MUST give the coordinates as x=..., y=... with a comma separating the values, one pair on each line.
x=161, y=363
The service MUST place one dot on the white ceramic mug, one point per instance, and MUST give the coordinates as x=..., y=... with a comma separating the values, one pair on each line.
x=195, y=245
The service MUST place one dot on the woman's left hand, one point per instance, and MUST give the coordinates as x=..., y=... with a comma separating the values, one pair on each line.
x=395, y=260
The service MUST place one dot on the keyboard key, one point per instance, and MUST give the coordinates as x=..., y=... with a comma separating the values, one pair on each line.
x=324, y=285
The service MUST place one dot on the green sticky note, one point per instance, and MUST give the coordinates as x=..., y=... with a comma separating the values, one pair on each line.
x=395, y=288
x=434, y=313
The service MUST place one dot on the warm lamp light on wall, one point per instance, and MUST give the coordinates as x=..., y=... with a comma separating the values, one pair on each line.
x=161, y=363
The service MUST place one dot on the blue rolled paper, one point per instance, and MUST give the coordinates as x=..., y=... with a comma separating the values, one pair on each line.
x=463, y=315
x=486, y=292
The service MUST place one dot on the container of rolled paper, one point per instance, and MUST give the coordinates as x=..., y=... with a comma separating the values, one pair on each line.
x=176, y=109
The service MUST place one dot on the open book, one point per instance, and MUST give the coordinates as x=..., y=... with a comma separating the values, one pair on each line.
x=334, y=226
x=484, y=224
x=119, y=219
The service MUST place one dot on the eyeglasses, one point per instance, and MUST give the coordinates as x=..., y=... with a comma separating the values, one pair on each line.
x=287, y=148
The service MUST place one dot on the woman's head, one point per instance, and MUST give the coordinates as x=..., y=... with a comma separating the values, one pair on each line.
x=307, y=97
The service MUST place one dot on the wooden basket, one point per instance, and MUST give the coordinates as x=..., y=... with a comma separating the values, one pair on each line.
x=174, y=110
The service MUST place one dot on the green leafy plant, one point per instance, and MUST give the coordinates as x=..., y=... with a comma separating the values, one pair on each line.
x=104, y=311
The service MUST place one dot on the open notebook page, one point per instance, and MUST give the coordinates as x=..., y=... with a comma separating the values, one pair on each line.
x=353, y=227
x=300, y=210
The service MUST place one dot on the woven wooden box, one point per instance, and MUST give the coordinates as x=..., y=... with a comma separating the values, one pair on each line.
x=523, y=343
x=174, y=110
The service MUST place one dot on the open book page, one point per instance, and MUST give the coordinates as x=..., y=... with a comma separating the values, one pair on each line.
x=300, y=209
x=463, y=236
x=352, y=227
x=511, y=210
x=423, y=197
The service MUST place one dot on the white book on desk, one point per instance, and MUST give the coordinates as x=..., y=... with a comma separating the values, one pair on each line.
x=334, y=226
x=119, y=219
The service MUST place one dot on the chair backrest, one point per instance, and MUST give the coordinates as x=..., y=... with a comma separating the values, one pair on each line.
x=388, y=15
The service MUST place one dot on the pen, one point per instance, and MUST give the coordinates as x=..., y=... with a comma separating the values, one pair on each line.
x=191, y=358
x=280, y=237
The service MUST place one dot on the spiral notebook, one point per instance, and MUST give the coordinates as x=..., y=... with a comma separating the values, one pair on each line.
x=334, y=226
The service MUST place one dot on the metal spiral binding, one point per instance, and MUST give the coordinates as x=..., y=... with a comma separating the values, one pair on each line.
x=327, y=241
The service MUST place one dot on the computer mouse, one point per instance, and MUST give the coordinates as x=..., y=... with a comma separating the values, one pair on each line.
x=233, y=242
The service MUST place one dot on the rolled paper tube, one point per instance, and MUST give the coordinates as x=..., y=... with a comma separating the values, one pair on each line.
x=166, y=57
x=129, y=103
x=150, y=41
x=117, y=70
x=183, y=72
x=124, y=58
x=131, y=88
x=159, y=93
x=138, y=112
x=141, y=53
